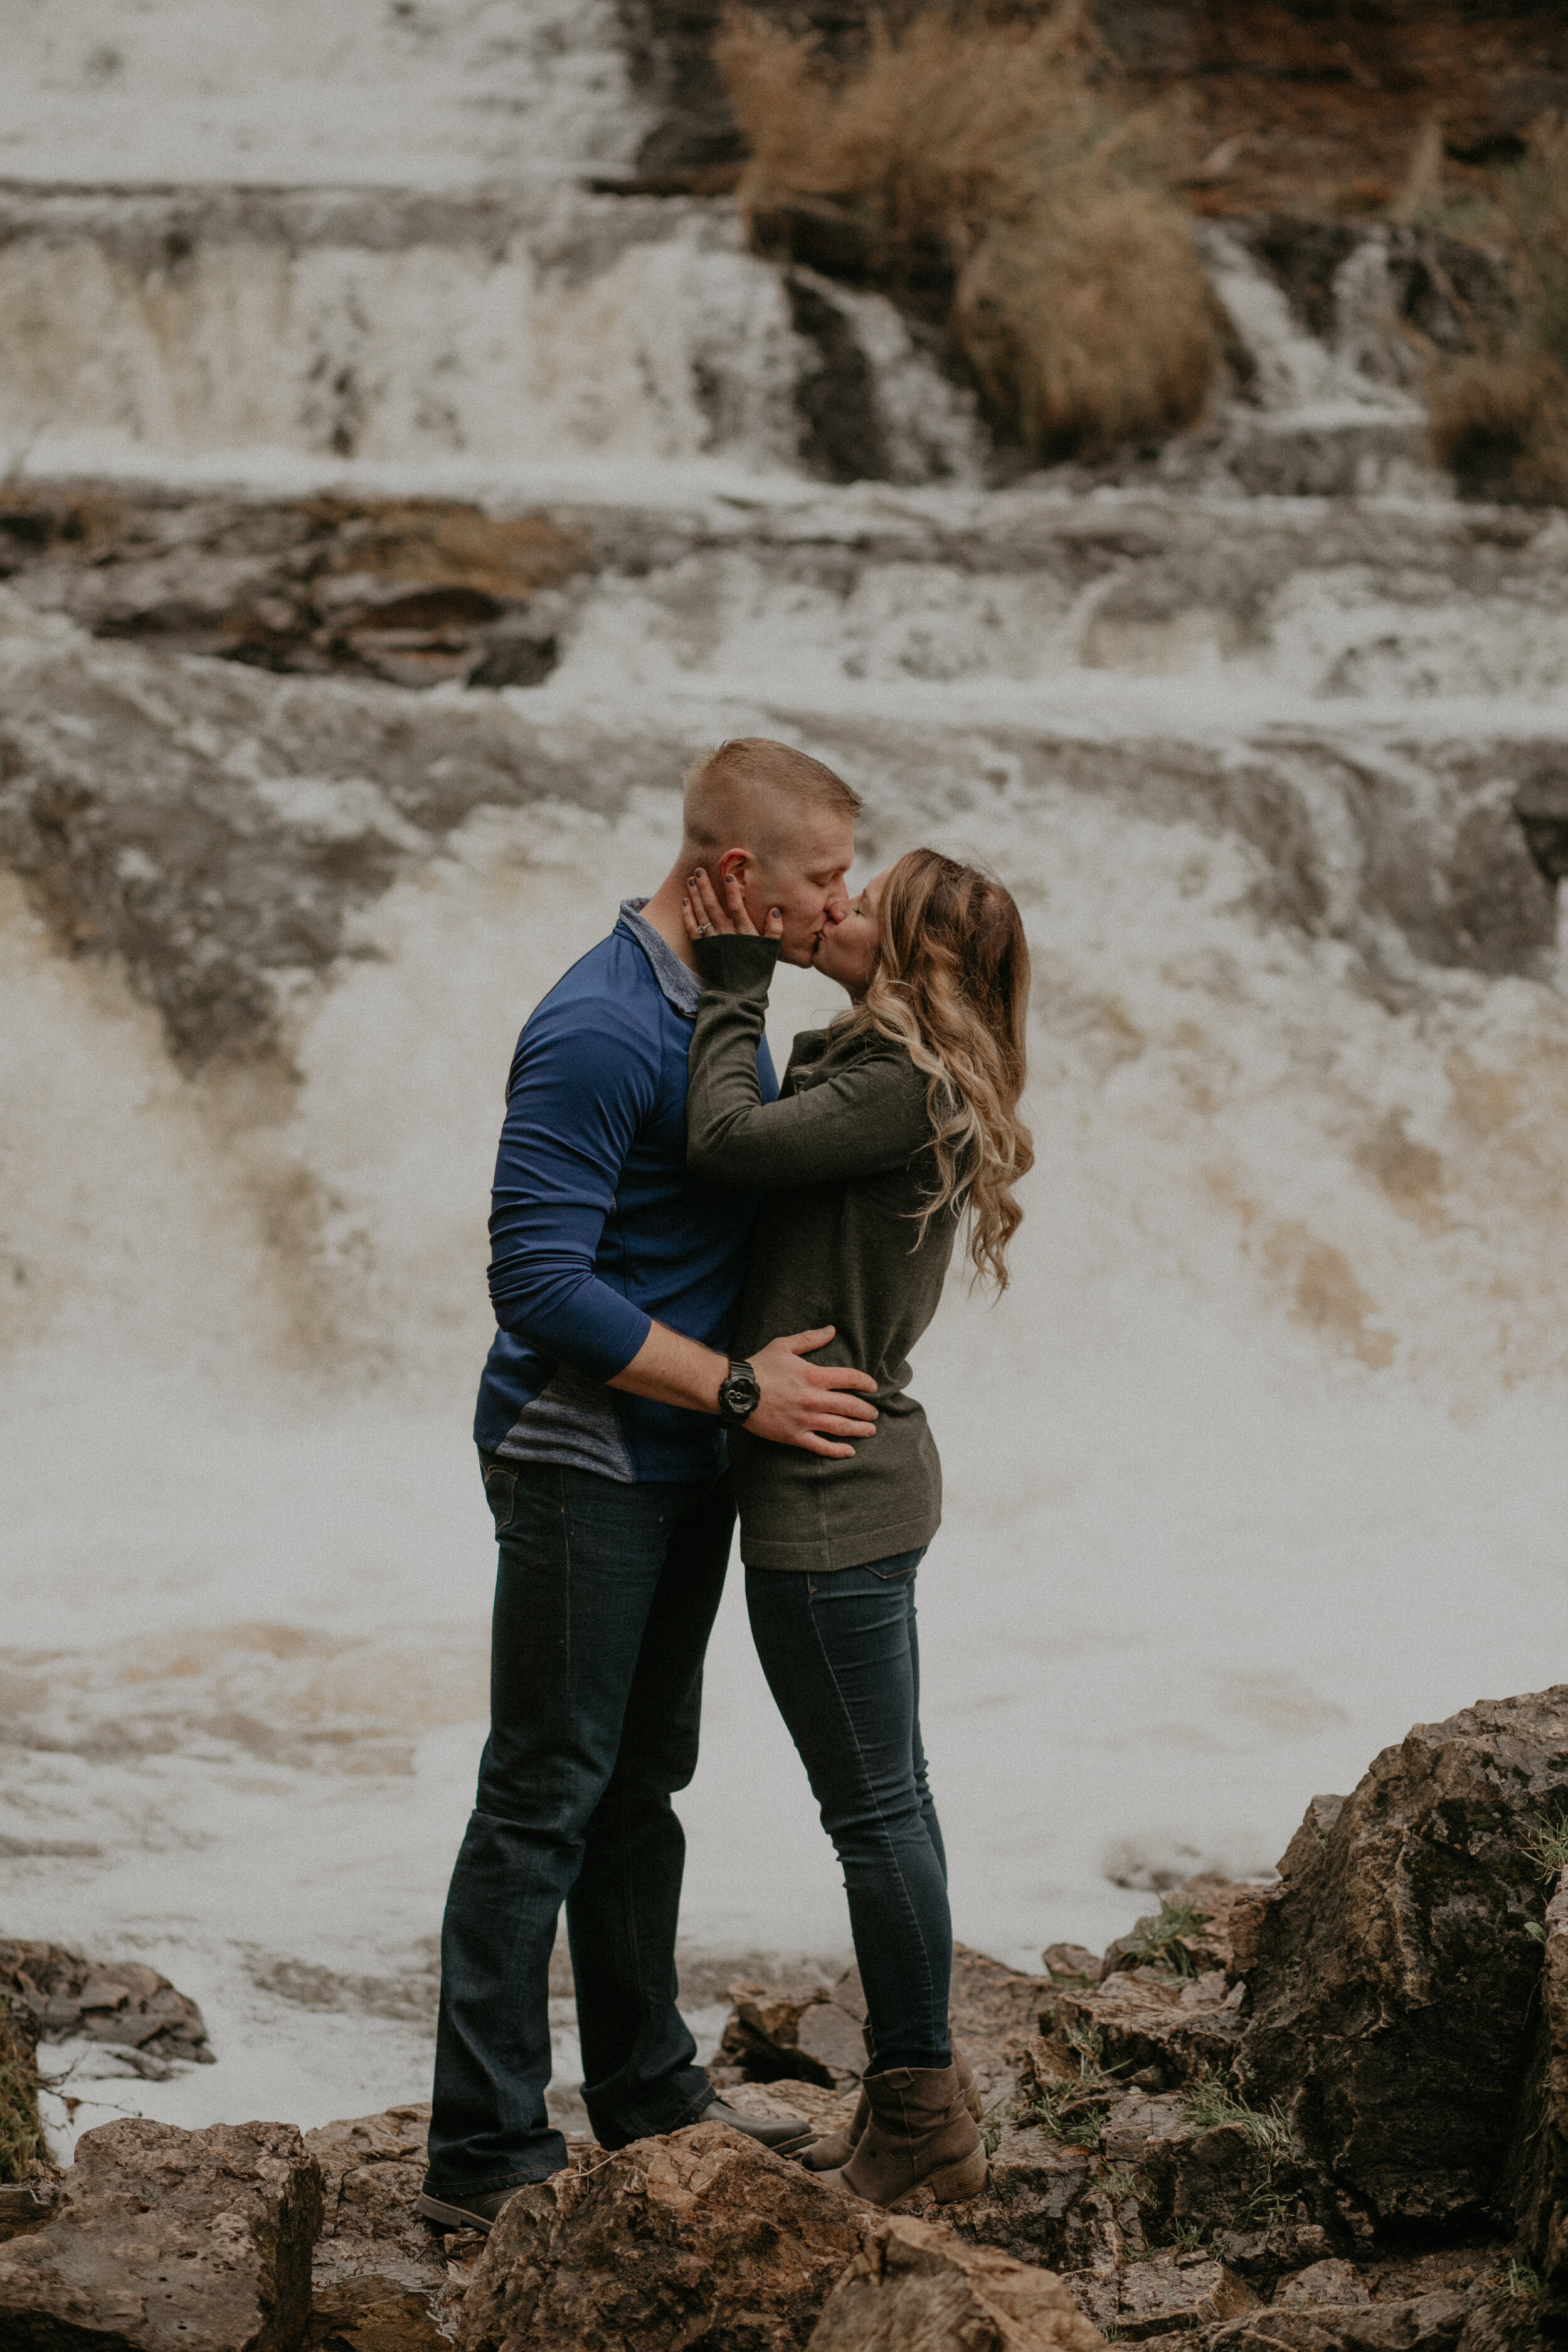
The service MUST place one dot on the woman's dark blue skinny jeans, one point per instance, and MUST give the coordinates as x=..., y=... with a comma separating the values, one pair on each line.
x=842, y=1660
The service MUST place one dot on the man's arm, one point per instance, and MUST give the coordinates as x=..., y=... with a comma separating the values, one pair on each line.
x=578, y=1095
x=811, y=1406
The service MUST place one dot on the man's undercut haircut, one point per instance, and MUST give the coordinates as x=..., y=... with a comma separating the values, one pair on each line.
x=752, y=793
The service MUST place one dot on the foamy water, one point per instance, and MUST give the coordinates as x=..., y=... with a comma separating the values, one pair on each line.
x=1261, y=1458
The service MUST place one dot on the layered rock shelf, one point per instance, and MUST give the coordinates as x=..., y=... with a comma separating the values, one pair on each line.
x=1326, y=2113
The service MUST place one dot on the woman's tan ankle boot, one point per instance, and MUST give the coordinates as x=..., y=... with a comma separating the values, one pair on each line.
x=834, y=2150
x=920, y=2129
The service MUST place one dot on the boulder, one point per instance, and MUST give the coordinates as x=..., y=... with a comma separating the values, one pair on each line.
x=1393, y=1970
x=57, y=1994
x=161, y=2239
x=915, y=2288
x=699, y=2238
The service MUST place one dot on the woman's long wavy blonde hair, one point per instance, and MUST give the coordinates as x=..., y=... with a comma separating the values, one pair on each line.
x=952, y=986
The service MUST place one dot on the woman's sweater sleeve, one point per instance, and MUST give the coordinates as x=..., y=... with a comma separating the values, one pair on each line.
x=868, y=1116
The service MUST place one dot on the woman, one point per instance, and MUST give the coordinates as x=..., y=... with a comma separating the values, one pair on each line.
x=894, y=1125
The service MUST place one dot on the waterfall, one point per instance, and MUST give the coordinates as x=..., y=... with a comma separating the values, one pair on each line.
x=1260, y=1459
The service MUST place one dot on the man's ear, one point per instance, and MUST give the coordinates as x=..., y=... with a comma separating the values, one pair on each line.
x=734, y=861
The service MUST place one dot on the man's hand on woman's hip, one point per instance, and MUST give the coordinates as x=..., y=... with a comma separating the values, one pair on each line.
x=814, y=1406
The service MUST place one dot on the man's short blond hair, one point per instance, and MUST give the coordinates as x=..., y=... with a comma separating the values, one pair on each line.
x=751, y=792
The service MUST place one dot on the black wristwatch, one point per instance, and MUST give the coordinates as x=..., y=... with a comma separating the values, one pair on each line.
x=740, y=1394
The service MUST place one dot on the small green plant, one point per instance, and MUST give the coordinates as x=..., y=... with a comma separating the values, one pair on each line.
x=1209, y=2103
x=1548, y=1847
x=1119, y=2184
x=21, y=2133
x=1159, y=1941
x=1188, y=2238
x=1520, y=2283
x=1072, y=2111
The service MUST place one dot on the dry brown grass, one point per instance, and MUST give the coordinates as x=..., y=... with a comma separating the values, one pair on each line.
x=990, y=152
x=1500, y=417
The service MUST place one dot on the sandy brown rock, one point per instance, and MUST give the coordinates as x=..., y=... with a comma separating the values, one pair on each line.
x=1169, y=2291
x=1396, y=1967
x=702, y=2238
x=163, y=2238
x=915, y=2288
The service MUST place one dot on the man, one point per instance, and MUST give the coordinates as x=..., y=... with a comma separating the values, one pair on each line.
x=616, y=1279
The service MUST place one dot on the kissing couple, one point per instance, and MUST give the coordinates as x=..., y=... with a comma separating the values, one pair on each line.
x=707, y=1287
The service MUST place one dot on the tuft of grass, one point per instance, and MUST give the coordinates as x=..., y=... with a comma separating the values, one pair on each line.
x=1073, y=2111
x=1209, y=2103
x=1157, y=1940
x=1500, y=417
x=22, y=2141
x=1520, y=2283
x=987, y=155
x=1548, y=1847
x=1189, y=2239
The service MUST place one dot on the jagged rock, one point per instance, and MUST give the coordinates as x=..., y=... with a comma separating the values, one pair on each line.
x=762, y=2036
x=382, y=2280
x=1225, y=1909
x=917, y=2288
x=699, y=2238
x=1434, y=2323
x=1071, y=1960
x=1396, y=1964
x=1167, y=2293
x=1538, y=2165
x=1325, y=2282
x=373, y=2314
x=1263, y=2257
x=1039, y=2204
x=161, y=2239
x=61, y=1995
x=1155, y=2028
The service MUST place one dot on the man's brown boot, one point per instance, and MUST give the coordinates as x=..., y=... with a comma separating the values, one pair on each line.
x=920, y=2129
x=834, y=2149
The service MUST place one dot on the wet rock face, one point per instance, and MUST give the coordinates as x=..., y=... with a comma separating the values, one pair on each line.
x=161, y=2238
x=702, y=2237
x=919, y=2287
x=1538, y=2163
x=1396, y=1969
x=418, y=592
x=54, y=1994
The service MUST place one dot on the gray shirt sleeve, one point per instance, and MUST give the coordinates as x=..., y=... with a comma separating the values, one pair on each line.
x=866, y=1115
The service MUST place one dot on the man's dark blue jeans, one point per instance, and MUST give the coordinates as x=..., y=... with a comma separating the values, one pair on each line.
x=605, y=1596
x=842, y=1659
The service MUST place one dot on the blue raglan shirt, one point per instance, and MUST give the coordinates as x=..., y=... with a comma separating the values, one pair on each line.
x=596, y=1226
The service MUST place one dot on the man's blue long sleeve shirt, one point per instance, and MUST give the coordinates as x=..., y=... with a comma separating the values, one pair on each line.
x=597, y=1228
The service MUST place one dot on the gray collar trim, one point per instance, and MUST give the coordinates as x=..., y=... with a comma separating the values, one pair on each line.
x=680, y=987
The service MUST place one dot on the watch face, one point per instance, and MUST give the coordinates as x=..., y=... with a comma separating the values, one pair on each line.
x=741, y=1394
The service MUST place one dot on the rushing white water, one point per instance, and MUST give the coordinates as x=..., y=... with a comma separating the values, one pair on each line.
x=1259, y=1460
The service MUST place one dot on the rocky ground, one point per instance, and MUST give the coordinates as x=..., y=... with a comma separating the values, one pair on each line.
x=1323, y=2114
